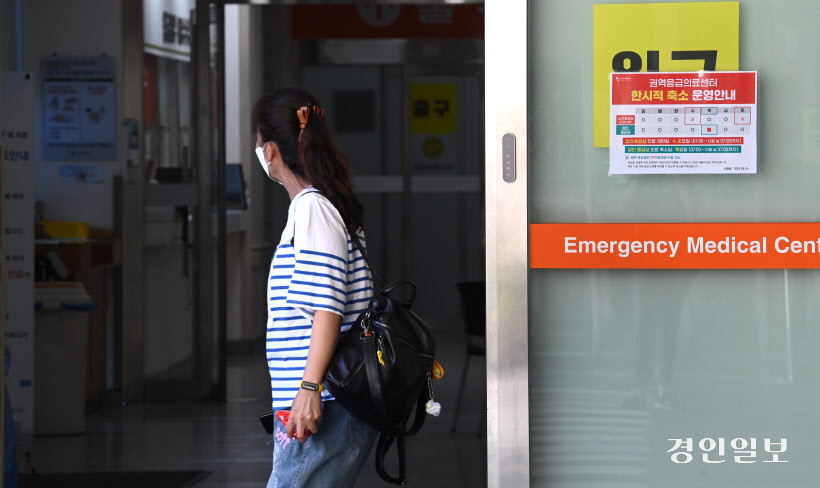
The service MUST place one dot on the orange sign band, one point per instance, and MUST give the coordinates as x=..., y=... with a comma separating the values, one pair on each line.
x=676, y=246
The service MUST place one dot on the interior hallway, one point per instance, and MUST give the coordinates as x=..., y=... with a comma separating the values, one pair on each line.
x=227, y=440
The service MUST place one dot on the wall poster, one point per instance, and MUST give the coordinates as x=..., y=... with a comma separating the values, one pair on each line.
x=683, y=123
x=79, y=108
x=433, y=114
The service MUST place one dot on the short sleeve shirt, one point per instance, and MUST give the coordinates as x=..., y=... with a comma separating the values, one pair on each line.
x=316, y=266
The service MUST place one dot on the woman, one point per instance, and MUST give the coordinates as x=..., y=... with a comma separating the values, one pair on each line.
x=317, y=287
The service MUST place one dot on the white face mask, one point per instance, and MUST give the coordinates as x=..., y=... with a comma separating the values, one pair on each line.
x=260, y=153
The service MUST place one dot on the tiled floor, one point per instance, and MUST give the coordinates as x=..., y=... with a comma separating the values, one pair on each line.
x=227, y=440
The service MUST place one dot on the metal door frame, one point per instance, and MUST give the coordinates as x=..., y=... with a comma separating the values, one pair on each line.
x=507, y=235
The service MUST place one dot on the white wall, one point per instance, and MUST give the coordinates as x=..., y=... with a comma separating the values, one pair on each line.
x=56, y=27
x=233, y=87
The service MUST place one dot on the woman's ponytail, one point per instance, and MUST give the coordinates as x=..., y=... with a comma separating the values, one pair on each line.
x=327, y=168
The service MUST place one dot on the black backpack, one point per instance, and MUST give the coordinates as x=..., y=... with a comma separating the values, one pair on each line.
x=382, y=369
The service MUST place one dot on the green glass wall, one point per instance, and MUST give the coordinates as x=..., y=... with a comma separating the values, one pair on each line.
x=621, y=361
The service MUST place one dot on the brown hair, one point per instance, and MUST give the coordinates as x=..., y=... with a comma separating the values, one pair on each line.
x=310, y=153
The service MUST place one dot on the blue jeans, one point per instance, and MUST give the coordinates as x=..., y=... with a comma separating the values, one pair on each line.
x=332, y=457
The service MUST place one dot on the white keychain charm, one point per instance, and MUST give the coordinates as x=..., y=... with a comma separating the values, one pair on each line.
x=433, y=408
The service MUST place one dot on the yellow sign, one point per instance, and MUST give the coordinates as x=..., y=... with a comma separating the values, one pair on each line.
x=659, y=37
x=433, y=108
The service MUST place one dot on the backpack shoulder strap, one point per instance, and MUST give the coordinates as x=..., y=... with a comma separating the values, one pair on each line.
x=374, y=382
x=358, y=243
x=385, y=441
x=294, y=222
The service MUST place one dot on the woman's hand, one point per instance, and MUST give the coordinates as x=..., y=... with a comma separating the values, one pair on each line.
x=305, y=414
x=306, y=409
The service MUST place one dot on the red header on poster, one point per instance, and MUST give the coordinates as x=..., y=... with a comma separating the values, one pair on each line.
x=676, y=246
x=704, y=87
x=373, y=21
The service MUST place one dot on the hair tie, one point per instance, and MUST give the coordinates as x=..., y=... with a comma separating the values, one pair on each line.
x=303, y=112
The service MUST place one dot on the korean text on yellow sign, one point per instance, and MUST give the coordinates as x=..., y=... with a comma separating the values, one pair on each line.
x=659, y=37
x=433, y=108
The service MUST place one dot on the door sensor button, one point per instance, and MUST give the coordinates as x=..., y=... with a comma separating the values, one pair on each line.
x=508, y=157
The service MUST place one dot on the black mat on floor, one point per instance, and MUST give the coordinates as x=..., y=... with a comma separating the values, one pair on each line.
x=139, y=479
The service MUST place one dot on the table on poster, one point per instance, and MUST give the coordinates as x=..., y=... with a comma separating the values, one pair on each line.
x=679, y=123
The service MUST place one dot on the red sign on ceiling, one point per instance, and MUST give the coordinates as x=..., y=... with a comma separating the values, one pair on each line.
x=387, y=21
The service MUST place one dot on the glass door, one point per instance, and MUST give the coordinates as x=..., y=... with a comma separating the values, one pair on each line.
x=648, y=375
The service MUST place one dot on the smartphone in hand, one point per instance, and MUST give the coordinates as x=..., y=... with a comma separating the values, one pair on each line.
x=267, y=421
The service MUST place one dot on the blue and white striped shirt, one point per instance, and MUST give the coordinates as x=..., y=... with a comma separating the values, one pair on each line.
x=322, y=270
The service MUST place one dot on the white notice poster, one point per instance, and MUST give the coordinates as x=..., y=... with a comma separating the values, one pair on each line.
x=683, y=123
x=79, y=109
